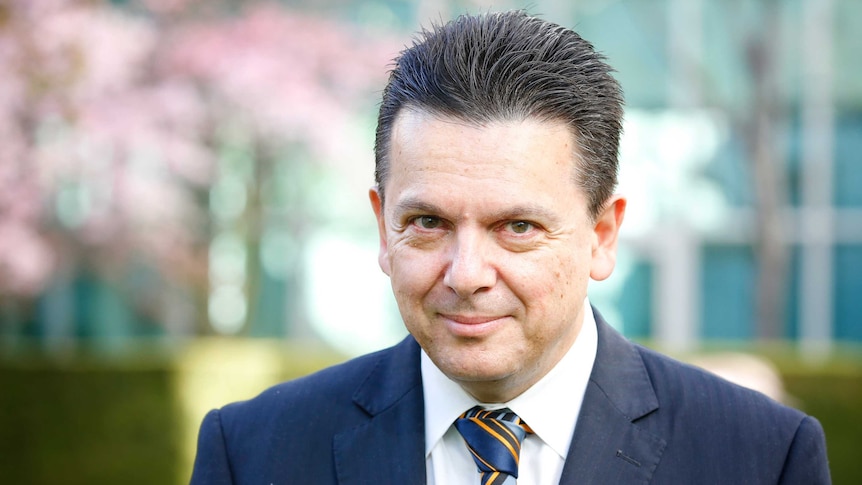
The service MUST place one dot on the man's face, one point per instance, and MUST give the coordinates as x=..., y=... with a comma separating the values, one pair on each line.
x=489, y=246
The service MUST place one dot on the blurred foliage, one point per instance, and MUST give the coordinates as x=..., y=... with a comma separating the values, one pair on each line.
x=119, y=128
x=834, y=396
x=88, y=424
x=97, y=418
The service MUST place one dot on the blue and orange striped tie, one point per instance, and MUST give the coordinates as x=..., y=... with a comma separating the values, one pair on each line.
x=494, y=439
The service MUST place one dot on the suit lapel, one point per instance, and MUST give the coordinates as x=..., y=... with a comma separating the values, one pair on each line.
x=608, y=446
x=390, y=446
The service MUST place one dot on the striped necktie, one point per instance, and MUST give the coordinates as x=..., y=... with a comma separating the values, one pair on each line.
x=494, y=439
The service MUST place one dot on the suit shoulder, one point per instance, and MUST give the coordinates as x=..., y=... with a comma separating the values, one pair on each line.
x=330, y=390
x=293, y=425
x=685, y=386
x=336, y=382
x=718, y=429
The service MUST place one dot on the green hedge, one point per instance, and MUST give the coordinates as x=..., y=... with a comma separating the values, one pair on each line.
x=90, y=425
x=834, y=398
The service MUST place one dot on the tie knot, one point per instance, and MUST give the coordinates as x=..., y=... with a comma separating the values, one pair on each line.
x=494, y=439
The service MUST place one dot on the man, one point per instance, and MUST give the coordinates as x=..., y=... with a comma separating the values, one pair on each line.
x=496, y=163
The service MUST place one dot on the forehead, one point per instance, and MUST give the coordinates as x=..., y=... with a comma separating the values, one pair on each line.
x=498, y=162
x=417, y=133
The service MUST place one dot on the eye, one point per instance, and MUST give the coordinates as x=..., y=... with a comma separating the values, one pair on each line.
x=520, y=227
x=427, y=222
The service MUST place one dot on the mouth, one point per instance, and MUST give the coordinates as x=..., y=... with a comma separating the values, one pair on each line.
x=472, y=326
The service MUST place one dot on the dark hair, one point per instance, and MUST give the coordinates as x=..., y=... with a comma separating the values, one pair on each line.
x=511, y=66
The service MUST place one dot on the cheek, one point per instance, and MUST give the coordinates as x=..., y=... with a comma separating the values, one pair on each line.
x=553, y=286
x=551, y=273
x=413, y=273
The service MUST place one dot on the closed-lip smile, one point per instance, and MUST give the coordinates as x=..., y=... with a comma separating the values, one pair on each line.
x=473, y=326
x=471, y=319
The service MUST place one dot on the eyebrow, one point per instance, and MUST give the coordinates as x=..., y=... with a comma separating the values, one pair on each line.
x=519, y=212
x=415, y=205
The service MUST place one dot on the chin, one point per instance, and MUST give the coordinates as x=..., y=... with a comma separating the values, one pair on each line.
x=472, y=369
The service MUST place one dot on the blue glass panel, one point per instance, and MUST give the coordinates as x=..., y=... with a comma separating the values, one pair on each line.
x=848, y=293
x=848, y=161
x=635, y=304
x=729, y=289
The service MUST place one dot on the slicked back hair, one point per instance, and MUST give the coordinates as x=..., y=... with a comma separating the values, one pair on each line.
x=510, y=66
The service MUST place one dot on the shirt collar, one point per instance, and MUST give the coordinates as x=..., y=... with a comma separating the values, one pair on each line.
x=550, y=407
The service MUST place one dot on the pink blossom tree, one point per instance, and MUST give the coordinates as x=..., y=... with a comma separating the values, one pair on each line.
x=112, y=122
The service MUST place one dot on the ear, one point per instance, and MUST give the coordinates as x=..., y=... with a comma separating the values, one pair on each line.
x=377, y=206
x=606, y=234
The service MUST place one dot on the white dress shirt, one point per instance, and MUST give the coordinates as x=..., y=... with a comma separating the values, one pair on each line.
x=550, y=407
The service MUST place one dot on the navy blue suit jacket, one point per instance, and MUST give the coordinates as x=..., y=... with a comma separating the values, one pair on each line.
x=645, y=419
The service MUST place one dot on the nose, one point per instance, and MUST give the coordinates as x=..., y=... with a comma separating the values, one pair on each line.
x=470, y=270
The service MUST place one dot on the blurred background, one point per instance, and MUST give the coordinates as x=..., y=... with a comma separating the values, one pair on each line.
x=183, y=215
